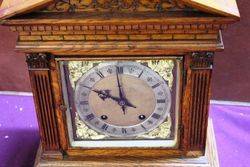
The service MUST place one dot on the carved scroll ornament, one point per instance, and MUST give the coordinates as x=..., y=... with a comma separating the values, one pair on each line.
x=115, y=5
x=202, y=60
x=37, y=60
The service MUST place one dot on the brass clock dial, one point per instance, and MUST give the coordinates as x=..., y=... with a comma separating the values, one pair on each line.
x=122, y=99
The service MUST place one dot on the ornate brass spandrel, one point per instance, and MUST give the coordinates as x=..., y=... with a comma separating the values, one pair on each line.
x=161, y=132
x=113, y=5
x=84, y=132
x=163, y=67
x=79, y=68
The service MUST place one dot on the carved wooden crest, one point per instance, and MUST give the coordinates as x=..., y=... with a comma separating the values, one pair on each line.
x=11, y=8
x=115, y=5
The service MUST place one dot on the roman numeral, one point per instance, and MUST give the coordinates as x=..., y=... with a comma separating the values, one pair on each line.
x=161, y=101
x=124, y=131
x=143, y=127
x=90, y=117
x=156, y=85
x=105, y=126
x=156, y=116
x=85, y=86
x=110, y=71
x=100, y=74
x=84, y=102
x=92, y=79
x=139, y=76
x=150, y=122
x=119, y=70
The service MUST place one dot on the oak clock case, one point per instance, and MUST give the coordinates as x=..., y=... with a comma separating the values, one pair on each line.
x=93, y=104
x=122, y=103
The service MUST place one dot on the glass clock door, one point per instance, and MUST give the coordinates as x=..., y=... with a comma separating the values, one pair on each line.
x=122, y=103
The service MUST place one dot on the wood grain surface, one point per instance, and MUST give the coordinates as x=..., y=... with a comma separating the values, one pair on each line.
x=223, y=7
x=190, y=35
x=10, y=8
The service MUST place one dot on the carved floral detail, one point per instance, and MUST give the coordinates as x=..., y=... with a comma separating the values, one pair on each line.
x=79, y=68
x=84, y=132
x=115, y=5
x=37, y=60
x=164, y=68
x=162, y=132
x=202, y=60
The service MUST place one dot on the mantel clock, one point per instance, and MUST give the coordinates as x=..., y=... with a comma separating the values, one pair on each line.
x=121, y=82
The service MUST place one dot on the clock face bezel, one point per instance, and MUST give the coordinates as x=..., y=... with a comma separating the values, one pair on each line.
x=142, y=127
x=142, y=143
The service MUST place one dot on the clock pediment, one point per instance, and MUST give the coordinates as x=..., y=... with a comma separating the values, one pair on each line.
x=10, y=8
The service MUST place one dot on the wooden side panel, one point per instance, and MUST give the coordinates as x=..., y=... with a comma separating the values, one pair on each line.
x=198, y=108
x=40, y=82
x=201, y=71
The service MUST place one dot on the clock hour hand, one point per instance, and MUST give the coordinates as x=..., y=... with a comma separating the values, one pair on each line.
x=105, y=94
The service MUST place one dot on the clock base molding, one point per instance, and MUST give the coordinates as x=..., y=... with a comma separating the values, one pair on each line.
x=209, y=160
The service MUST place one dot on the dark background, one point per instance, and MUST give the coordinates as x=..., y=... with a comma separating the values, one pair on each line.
x=231, y=69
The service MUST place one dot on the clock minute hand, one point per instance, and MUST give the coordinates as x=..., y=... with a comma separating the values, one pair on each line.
x=121, y=95
x=129, y=104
